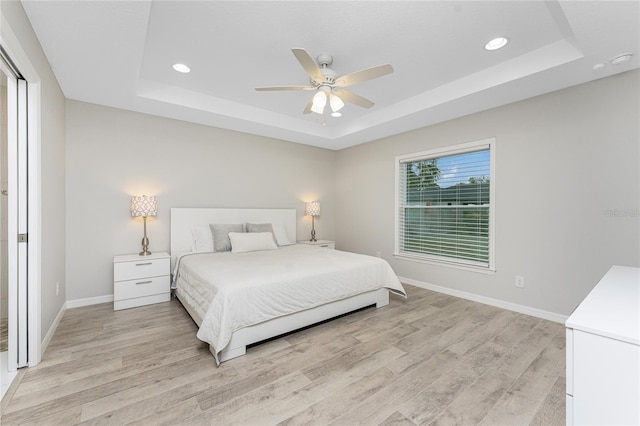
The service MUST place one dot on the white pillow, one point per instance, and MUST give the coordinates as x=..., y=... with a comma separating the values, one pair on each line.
x=202, y=239
x=259, y=227
x=280, y=233
x=242, y=242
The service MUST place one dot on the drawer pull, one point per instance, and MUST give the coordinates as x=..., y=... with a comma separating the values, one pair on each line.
x=144, y=264
x=144, y=282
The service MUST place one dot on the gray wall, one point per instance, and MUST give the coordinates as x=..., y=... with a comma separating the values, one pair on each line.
x=567, y=193
x=52, y=158
x=113, y=154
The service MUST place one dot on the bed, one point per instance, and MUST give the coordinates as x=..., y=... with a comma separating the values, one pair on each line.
x=241, y=298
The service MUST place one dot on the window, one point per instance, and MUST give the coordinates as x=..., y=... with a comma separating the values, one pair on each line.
x=445, y=205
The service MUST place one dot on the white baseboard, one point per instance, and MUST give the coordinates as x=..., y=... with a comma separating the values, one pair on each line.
x=77, y=303
x=527, y=310
x=52, y=329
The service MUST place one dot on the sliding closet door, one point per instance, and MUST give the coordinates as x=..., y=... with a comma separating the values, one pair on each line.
x=17, y=215
x=21, y=237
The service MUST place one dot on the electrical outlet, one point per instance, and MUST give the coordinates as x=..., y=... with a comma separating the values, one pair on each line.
x=378, y=254
x=519, y=281
x=57, y=288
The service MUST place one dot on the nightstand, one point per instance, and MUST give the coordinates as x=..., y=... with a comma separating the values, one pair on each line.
x=320, y=243
x=141, y=280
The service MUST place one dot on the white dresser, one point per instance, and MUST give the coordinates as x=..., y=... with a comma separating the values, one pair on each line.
x=603, y=352
x=141, y=280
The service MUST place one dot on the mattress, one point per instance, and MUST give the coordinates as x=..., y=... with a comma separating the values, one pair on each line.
x=226, y=291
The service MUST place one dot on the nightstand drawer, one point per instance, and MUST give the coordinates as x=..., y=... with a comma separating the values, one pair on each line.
x=141, y=287
x=320, y=243
x=142, y=268
x=327, y=245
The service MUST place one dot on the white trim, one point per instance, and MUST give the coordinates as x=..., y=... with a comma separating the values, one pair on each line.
x=34, y=247
x=444, y=262
x=446, y=150
x=527, y=310
x=53, y=328
x=78, y=303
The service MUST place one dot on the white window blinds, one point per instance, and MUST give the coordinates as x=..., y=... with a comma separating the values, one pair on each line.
x=444, y=206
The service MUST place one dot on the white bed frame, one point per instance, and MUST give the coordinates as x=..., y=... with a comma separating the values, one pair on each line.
x=182, y=221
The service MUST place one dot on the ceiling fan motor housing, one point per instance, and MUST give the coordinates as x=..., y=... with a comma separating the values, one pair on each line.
x=329, y=77
x=324, y=60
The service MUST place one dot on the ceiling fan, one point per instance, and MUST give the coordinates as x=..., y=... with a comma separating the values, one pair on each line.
x=328, y=85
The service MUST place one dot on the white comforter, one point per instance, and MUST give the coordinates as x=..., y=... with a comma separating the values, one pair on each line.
x=242, y=289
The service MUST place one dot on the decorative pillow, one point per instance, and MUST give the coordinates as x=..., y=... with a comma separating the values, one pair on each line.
x=280, y=234
x=251, y=241
x=221, y=235
x=202, y=239
x=260, y=227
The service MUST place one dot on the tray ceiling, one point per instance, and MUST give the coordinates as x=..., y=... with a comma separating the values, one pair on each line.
x=120, y=54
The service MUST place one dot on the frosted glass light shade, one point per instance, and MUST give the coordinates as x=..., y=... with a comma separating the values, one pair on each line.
x=312, y=209
x=317, y=109
x=335, y=102
x=143, y=206
x=319, y=101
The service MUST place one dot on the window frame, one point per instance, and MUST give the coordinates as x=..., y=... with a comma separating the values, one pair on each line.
x=479, y=145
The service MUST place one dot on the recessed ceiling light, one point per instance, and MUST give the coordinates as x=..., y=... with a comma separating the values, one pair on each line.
x=621, y=59
x=336, y=114
x=496, y=43
x=181, y=68
x=598, y=67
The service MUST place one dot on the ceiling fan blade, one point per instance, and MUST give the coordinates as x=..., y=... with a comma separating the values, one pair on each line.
x=307, y=109
x=363, y=75
x=353, y=98
x=276, y=88
x=309, y=65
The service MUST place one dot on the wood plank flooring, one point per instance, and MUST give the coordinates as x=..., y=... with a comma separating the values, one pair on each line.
x=432, y=359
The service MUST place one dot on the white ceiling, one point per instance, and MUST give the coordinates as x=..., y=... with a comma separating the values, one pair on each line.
x=120, y=54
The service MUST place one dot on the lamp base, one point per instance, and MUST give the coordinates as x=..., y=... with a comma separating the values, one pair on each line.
x=313, y=230
x=145, y=241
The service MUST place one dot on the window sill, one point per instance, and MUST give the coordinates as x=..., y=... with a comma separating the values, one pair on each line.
x=447, y=264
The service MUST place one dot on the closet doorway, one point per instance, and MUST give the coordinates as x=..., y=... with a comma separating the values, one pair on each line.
x=13, y=221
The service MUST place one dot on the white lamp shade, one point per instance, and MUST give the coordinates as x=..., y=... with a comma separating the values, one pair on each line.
x=312, y=209
x=143, y=206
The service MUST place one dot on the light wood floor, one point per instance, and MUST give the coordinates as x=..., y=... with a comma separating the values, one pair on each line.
x=432, y=359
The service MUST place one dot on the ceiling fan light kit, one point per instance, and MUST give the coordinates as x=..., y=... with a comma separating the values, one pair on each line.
x=325, y=82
